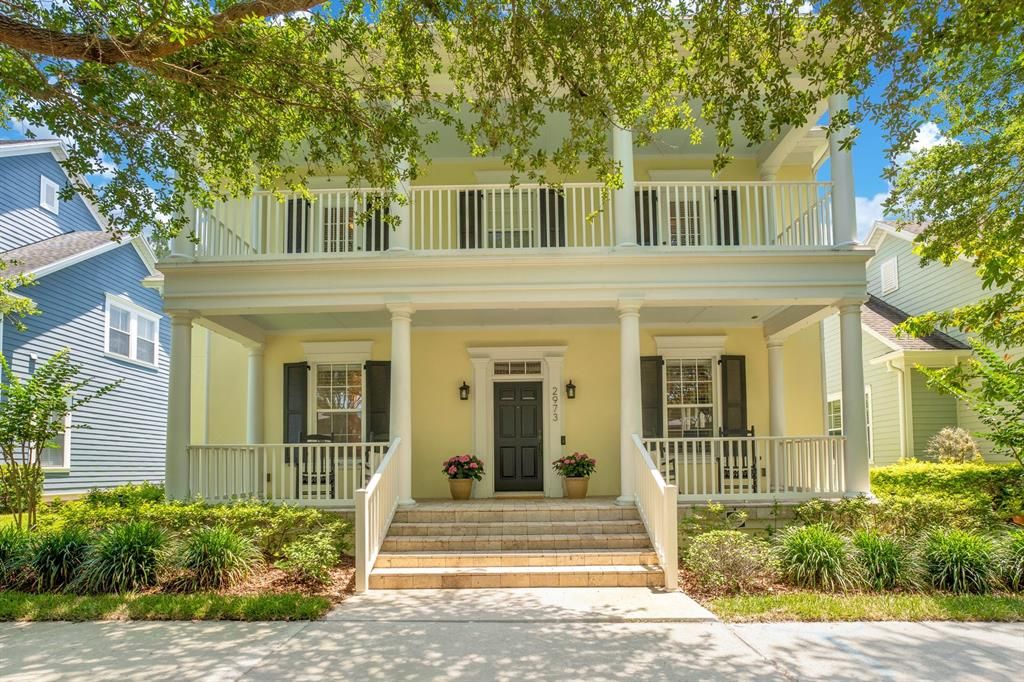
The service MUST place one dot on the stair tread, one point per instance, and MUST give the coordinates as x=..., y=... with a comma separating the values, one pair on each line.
x=485, y=570
x=475, y=524
x=516, y=536
x=512, y=552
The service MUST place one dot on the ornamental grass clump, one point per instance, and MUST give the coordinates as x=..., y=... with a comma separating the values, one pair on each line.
x=959, y=561
x=463, y=466
x=728, y=561
x=57, y=555
x=1011, y=561
x=817, y=557
x=123, y=558
x=15, y=551
x=886, y=563
x=213, y=557
x=576, y=465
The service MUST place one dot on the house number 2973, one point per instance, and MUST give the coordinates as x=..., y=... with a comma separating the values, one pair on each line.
x=554, y=403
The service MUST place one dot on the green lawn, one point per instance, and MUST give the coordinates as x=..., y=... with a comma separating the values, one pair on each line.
x=6, y=519
x=868, y=607
x=51, y=606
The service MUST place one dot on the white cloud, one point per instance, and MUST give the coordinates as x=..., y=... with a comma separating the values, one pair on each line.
x=868, y=211
x=806, y=8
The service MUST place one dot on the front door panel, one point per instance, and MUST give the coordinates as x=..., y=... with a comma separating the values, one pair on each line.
x=518, y=436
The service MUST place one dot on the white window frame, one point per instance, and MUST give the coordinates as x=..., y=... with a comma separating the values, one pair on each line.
x=65, y=447
x=868, y=421
x=46, y=187
x=889, y=272
x=136, y=312
x=692, y=348
x=838, y=399
x=336, y=353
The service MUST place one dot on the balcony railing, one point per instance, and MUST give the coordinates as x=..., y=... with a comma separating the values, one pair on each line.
x=353, y=222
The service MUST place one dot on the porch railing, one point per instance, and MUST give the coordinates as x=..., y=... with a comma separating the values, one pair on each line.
x=751, y=467
x=353, y=222
x=375, y=507
x=312, y=474
x=657, y=502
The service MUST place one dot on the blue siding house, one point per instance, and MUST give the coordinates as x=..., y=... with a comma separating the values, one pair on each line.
x=92, y=299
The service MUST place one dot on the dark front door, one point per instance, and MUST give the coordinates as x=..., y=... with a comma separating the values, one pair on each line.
x=518, y=436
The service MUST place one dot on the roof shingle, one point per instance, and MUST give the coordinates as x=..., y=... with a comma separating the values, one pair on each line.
x=880, y=317
x=48, y=251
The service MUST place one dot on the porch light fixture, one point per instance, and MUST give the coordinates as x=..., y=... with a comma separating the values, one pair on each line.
x=570, y=390
x=464, y=391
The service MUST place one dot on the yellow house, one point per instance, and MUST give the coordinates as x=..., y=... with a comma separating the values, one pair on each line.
x=319, y=358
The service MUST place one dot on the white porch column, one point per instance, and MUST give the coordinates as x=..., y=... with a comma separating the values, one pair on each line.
x=254, y=396
x=776, y=389
x=181, y=245
x=844, y=202
x=401, y=236
x=176, y=480
x=401, y=394
x=630, y=409
x=854, y=425
x=624, y=200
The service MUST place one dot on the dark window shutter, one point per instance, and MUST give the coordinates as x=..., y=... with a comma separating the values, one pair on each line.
x=378, y=232
x=651, y=396
x=297, y=226
x=378, y=401
x=647, y=217
x=552, y=217
x=470, y=218
x=734, y=395
x=296, y=377
x=727, y=217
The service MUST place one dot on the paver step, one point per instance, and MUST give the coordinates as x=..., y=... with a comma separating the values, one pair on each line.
x=468, y=514
x=571, y=557
x=476, y=528
x=517, y=576
x=502, y=543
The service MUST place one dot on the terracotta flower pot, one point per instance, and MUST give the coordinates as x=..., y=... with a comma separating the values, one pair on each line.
x=1018, y=519
x=461, y=488
x=576, y=488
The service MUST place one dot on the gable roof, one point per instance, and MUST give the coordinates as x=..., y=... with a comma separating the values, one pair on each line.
x=54, y=253
x=879, y=318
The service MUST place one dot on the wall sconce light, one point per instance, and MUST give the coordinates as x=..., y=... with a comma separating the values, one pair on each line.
x=570, y=390
x=464, y=391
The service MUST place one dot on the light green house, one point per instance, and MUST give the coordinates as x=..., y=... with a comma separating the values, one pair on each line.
x=902, y=412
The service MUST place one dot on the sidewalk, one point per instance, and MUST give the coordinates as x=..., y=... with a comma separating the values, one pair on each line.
x=536, y=635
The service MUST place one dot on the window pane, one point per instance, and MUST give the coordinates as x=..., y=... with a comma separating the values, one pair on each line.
x=53, y=457
x=146, y=351
x=120, y=319
x=147, y=329
x=119, y=342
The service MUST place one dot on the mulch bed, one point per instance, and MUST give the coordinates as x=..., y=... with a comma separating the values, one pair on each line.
x=271, y=580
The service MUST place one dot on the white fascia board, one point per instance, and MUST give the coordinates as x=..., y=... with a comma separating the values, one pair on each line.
x=50, y=268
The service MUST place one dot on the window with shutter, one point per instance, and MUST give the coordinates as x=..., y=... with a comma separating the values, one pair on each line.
x=378, y=400
x=295, y=401
x=651, y=396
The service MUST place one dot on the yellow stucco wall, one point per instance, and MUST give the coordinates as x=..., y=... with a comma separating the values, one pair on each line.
x=443, y=424
x=219, y=385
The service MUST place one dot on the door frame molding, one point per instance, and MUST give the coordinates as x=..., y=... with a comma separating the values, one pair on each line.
x=551, y=360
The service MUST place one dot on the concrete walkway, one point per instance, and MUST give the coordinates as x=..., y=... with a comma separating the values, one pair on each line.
x=421, y=636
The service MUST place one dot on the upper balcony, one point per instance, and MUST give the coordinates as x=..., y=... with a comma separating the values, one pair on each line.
x=343, y=223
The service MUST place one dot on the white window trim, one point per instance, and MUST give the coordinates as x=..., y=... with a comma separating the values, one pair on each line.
x=336, y=352
x=65, y=465
x=884, y=273
x=693, y=348
x=869, y=422
x=45, y=186
x=136, y=312
x=832, y=398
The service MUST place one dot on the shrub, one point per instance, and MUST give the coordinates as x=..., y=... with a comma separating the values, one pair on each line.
x=57, y=556
x=902, y=516
x=124, y=557
x=729, y=561
x=128, y=495
x=310, y=558
x=14, y=554
x=1011, y=560
x=975, y=486
x=959, y=561
x=701, y=520
x=953, y=445
x=886, y=562
x=816, y=556
x=213, y=557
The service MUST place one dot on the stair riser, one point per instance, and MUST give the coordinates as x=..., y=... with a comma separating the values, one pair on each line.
x=497, y=529
x=497, y=544
x=486, y=560
x=463, y=581
x=516, y=516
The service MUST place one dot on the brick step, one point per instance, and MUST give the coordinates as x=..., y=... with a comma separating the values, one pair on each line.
x=472, y=514
x=503, y=543
x=570, y=557
x=517, y=576
x=476, y=529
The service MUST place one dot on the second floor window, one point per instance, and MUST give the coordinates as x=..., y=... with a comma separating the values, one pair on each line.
x=132, y=332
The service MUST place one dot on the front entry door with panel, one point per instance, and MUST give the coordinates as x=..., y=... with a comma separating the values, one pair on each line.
x=518, y=436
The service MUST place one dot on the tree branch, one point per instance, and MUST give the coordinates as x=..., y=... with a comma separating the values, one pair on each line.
x=141, y=48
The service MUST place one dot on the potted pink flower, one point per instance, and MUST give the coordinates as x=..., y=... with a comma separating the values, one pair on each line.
x=461, y=471
x=575, y=470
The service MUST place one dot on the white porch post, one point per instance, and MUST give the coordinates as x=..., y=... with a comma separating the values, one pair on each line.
x=254, y=396
x=776, y=389
x=181, y=245
x=844, y=202
x=630, y=409
x=401, y=394
x=176, y=479
x=623, y=200
x=854, y=425
x=401, y=236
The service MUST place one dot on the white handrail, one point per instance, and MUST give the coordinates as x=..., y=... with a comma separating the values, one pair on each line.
x=657, y=503
x=375, y=507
